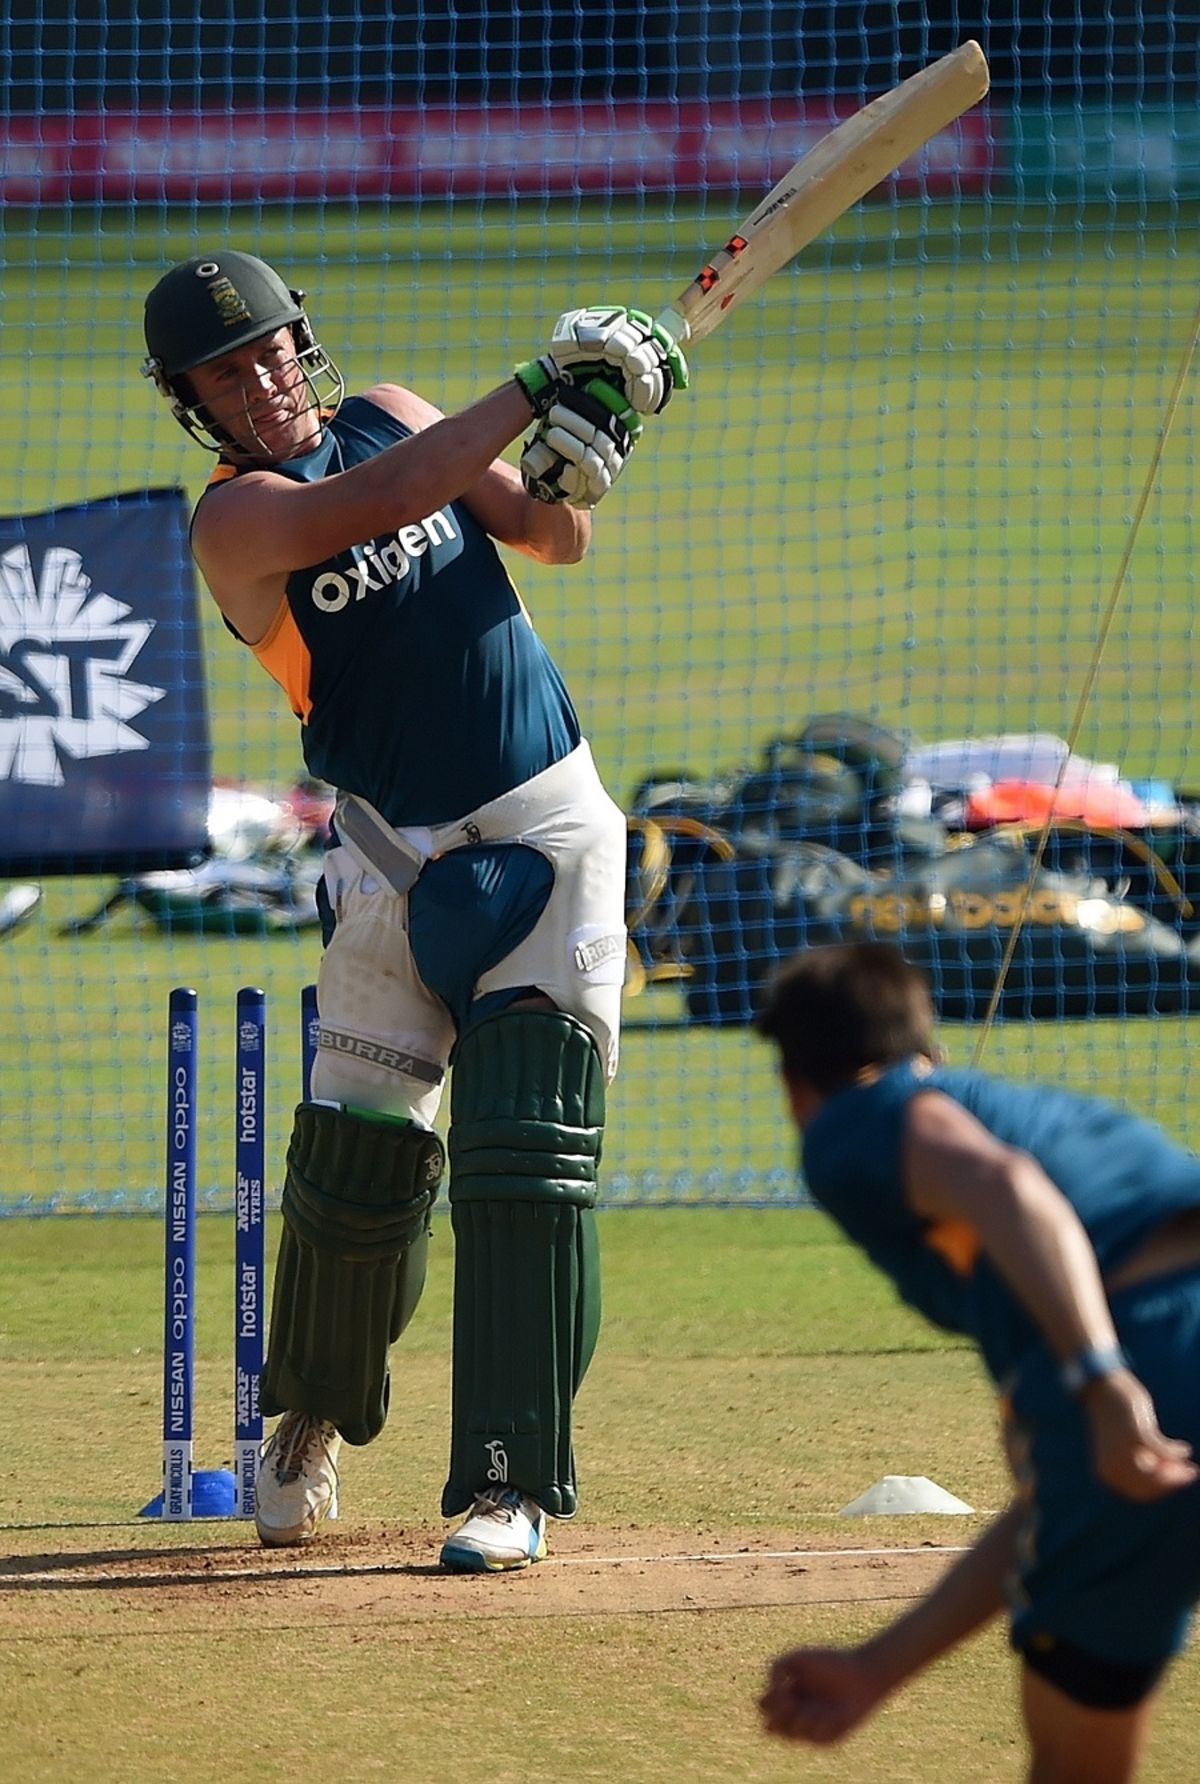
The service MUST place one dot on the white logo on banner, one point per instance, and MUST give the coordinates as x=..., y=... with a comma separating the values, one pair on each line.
x=64, y=658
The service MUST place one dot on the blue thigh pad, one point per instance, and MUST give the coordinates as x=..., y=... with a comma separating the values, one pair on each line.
x=467, y=912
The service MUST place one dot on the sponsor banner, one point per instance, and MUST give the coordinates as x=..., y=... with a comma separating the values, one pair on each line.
x=1144, y=152
x=104, y=750
x=444, y=152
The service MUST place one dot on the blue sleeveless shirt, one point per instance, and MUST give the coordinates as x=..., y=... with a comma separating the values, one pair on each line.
x=1121, y=1174
x=409, y=659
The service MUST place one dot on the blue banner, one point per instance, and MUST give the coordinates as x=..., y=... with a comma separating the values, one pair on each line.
x=104, y=749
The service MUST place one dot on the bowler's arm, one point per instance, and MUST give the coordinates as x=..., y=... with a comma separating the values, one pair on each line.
x=956, y=1171
x=822, y=1694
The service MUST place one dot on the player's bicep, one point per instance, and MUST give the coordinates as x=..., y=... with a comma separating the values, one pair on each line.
x=954, y=1169
x=250, y=529
x=245, y=548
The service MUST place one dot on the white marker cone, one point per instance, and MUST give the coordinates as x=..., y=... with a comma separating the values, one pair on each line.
x=905, y=1493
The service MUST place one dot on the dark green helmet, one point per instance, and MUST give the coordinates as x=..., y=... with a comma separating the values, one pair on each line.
x=210, y=305
x=213, y=304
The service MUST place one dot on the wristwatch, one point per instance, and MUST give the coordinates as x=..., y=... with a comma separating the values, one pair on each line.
x=1090, y=1365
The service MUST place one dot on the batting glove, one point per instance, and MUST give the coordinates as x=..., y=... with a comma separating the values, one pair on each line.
x=543, y=383
x=577, y=452
x=625, y=346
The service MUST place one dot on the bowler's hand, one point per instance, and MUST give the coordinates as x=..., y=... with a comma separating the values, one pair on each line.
x=819, y=1694
x=1130, y=1454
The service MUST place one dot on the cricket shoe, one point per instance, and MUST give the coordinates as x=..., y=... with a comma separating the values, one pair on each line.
x=297, y=1484
x=505, y=1530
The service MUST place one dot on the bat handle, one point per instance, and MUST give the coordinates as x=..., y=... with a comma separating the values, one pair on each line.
x=675, y=323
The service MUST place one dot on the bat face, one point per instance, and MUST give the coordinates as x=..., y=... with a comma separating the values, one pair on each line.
x=842, y=168
x=709, y=275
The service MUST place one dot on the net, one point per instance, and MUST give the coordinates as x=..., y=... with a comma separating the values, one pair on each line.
x=830, y=638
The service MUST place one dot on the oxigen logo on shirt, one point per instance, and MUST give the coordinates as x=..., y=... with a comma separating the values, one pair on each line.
x=378, y=568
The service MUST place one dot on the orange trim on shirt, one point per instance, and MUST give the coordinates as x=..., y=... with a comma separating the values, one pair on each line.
x=956, y=1242
x=287, y=659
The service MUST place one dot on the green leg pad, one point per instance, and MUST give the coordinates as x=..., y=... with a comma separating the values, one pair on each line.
x=526, y=1124
x=351, y=1265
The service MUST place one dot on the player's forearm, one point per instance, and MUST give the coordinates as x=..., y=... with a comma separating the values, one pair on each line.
x=554, y=532
x=551, y=533
x=443, y=461
x=409, y=481
x=967, y=1597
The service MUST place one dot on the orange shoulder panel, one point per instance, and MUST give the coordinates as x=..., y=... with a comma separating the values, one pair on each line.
x=956, y=1242
x=282, y=652
x=285, y=656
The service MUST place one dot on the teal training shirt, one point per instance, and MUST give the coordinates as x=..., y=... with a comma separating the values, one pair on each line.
x=419, y=680
x=1121, y=1174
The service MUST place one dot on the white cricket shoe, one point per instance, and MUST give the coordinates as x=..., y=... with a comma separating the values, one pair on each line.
x=297, y=1484
x=504, y=1531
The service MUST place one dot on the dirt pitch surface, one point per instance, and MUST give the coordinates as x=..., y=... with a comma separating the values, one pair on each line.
x=393, y=1575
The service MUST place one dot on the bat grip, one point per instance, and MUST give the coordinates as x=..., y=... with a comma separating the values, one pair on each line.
x=675, y=323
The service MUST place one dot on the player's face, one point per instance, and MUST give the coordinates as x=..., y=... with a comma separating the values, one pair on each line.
x=259, y=395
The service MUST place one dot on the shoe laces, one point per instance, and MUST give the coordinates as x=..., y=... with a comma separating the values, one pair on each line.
x=292, y=1443
x=501, y=1504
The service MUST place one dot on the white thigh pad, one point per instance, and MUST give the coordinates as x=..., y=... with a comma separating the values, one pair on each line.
x=576, y=951
x=384, y=1039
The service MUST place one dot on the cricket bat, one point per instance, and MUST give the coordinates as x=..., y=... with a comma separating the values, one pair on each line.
x=839, y=170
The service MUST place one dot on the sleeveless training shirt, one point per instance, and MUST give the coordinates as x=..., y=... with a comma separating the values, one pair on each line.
x=1121, y=1174
x=410, y=660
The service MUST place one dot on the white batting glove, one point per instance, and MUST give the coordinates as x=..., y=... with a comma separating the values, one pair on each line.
x=579, y=449
x=626, y=346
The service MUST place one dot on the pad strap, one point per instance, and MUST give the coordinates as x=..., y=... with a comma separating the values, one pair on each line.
x=527, y=1114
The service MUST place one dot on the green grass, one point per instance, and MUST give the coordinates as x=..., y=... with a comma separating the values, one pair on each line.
x=753, y=1376
x=772, y=1298
x=900, y=485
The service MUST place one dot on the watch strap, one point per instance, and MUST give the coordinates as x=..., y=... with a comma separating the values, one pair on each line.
x=1091, y=1364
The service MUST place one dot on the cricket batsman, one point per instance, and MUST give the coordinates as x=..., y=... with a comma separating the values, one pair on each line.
x=473, y=898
